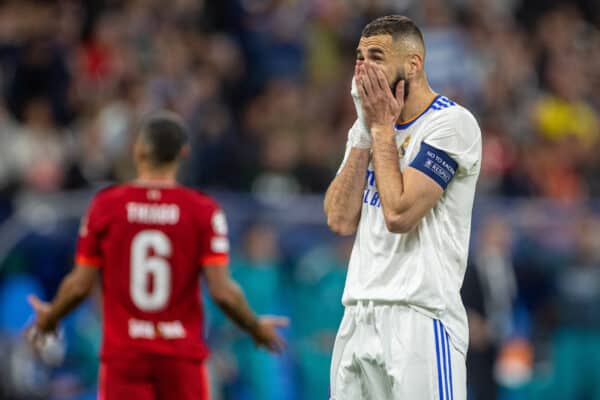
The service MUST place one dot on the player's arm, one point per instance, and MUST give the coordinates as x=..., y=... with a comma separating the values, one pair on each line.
x=77, y=285
x=405, y=197
x=228, y=295
x=74, y=288
x=343, y=200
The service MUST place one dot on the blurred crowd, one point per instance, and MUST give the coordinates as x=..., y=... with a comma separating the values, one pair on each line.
x=531, y=291
x=264, y=87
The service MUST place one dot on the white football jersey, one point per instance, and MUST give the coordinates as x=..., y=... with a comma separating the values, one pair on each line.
x=423, y=268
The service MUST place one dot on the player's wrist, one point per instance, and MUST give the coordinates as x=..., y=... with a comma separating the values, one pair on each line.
x=360, y=128
x=359, y=136
x=253, y=325
x=382, y=132
x=46, y=324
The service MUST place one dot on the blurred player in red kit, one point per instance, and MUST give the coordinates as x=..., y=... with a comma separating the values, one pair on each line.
x=148, y=241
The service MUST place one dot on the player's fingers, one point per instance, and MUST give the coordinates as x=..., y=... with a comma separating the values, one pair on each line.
x=362, y=93
x=380, y=77
x=278, y=349
x=273, y=348
x=270, y=345
x=382, y=80
x=278, y=345
x=34, y=337
x=381, y=89
x=361, y=70
x=366, y=81
x=36, y=303
x=279, y=322
x=281, y=341
x=283, y=344
x=400, y=91
x=31, y=333
x=371, y=78
x=273, y=342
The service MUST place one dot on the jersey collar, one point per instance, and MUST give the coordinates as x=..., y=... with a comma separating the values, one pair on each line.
x=406, y=124
x=149, y=183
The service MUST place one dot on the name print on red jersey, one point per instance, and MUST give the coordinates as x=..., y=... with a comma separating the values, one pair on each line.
x=159, y=214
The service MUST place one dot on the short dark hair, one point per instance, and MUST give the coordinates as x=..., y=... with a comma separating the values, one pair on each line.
x=165, y=134
x=398, y=26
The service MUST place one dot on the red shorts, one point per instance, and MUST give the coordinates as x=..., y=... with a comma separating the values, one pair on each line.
x=153, y=378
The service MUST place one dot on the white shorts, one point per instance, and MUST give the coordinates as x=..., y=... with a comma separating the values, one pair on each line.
x=392, y=352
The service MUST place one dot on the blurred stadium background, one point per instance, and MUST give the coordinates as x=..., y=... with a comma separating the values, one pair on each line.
x=264, y=85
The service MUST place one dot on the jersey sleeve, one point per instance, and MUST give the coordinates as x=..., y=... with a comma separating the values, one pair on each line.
x=214, y=241
x=451, y=147
x=92, y=226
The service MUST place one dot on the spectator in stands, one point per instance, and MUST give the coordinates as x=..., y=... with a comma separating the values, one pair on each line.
x=264, y=87
x=575, y=359
x=489, y=290
x=318, y=279
x=257, y=268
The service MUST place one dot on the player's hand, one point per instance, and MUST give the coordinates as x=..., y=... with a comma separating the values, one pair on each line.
x=381, y=107
x=359, y=135
x=357, y=101
x=43, y=321
x=265, y=333
x=43, y=337
x=49, y=347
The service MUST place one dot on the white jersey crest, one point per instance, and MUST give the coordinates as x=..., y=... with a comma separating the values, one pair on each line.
x=425, y=267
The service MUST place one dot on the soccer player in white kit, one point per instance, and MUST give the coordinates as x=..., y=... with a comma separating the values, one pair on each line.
x=404, y=334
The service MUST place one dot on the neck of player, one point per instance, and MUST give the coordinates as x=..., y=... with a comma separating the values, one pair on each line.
x=419, y=98
x=164, y=175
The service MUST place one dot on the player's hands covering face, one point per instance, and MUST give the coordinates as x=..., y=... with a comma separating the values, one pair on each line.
x=380, y=106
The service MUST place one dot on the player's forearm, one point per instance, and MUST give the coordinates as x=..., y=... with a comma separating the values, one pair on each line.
x=390, y=180
x=70, y=294
x=343, y=200
x=231, y=300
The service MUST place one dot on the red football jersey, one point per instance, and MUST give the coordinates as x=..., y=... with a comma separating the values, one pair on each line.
x=150, y=242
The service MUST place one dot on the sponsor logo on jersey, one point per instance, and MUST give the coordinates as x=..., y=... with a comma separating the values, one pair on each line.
x=140, y=329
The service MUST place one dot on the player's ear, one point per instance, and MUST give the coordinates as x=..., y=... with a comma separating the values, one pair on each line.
x=414, y=65
x=400, y=89
x=138, y=151
x=185, y=151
